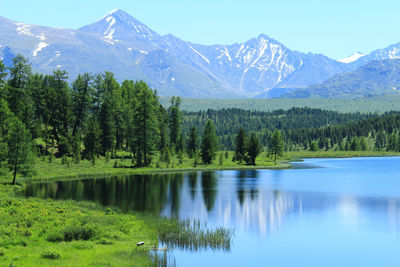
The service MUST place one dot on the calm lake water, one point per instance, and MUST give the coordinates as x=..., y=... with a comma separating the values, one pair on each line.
x=323, y=212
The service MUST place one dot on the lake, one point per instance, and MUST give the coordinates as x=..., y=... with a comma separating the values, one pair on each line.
x=323, y=212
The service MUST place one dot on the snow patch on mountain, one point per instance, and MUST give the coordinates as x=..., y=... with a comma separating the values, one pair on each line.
x=203, y=57
x=351, y=58
x=24, y=29
x=40, y=46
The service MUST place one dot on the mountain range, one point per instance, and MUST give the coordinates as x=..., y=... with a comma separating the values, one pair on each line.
x=260, y=67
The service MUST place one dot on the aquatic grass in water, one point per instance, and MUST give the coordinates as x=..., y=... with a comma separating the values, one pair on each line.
x=193, y=236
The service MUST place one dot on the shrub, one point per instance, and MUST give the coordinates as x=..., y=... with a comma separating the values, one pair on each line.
x=74, y=232
x=55, y=237
x=50, y=254
x=1, y=253
x=105, y=241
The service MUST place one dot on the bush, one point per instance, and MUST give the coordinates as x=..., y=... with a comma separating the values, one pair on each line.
x=72, y=232
x=50, y=254
x=55, y=237
x=1, y=253
x=105, y=241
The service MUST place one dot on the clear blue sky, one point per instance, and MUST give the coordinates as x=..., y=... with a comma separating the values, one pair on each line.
x=336, y=28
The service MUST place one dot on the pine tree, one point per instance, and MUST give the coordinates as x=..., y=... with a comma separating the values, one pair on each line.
x=91, y=140
x=276, y=145
x=146, y=133
x=174, y=119
x=82, y=100
x=107, y=128
x=241, y=140
x=253, y=149
x=192, y=143
x=19, y=149
x=209, y=143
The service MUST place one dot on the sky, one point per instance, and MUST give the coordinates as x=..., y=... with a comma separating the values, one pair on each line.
x=335, y=28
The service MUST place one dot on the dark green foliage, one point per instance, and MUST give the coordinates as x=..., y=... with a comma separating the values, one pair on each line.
x=253, y=149
x=355, y=144
x=276, y=145
x=19, y=149
x=192, y=143
x=314, y=146
x=82, y=99
x=380, y=141
x=208, y=143
x=146, y=128
x=107, y=126
x=174, y=119
x=240, y=150
x=91, y=140
x=295, y=123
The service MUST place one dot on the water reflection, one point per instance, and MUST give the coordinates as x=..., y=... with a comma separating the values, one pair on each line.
x=233, y=199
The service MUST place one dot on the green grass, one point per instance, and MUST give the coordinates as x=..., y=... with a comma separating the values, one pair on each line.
x=337, y=154
x=28, y=228
x=43, y=170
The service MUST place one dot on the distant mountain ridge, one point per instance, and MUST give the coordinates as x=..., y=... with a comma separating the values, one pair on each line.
x=377, y=77
x=119, y=43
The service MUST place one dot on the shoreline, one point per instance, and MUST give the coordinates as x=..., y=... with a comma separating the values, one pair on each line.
x=285, y=163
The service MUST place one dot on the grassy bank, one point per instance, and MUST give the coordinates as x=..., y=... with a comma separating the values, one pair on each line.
x=35, y=232
x=44, y=170
x=338, y=154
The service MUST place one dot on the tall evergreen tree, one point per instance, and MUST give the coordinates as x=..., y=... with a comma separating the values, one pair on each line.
x=175, y=119
x=19, y=100
x=107, y=127
x=91, y=140
x=81, y=99
x=146, y=132
x=276, y=145
x=192, y=143
x=208, y=143
x=240, y=150
x=19, y=149
x=253, y=149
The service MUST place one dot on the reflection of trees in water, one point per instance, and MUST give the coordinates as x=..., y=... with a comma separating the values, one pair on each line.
x=175, y=194
x=209, y=189
x=138, y=192
x=245, y=184
x=192, y=179
x=247, y=206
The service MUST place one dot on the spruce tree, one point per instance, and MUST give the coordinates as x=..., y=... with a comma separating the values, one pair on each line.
x=19, y=149
x=240, y=150
x=174, y=120
x=82, y=100
x=91, y=140
x=276, y=145
x=209, y=143
x=253, y=149
x=192, y=143
x=146, y=128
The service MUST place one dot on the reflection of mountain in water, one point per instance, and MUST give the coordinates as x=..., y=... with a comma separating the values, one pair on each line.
x=216, y=197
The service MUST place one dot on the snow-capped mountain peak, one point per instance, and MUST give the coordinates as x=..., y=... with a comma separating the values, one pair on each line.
x=351, y=58
x=117, y=25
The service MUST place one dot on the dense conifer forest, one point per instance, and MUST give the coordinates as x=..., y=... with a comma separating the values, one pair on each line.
x=45, y=115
